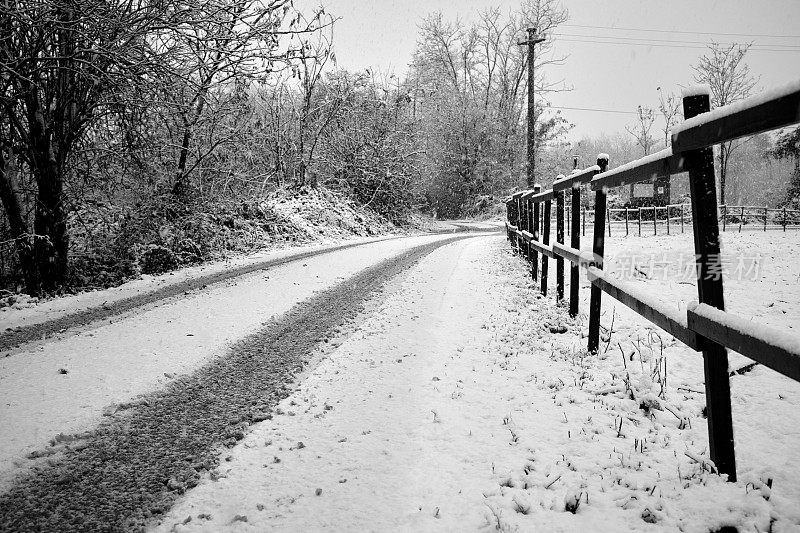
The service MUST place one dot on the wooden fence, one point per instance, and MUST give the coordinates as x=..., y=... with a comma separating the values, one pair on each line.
x=676, y=218
x=705, y=327
x=759, y=217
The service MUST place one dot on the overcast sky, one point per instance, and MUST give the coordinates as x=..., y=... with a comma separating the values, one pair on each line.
x=614, y=77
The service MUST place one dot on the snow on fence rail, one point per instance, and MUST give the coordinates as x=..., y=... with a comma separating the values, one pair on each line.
x=705, y=326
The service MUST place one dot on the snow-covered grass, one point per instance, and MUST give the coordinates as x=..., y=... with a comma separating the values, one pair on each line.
x=762, y=284
x=456, y=407
x=761, y=271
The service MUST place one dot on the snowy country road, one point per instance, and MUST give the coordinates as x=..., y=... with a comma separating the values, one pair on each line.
x=70, y=313
x=54, y=393
x=336, y=394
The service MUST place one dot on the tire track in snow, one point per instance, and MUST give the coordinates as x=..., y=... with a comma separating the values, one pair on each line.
x=130, y=469
x=20, y=335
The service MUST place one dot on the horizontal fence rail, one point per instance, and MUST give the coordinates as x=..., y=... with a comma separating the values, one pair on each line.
x=649, y=167
x=576, y=179
x=704, y=326
x=766, y=111
x=660, y=313
x=769, y=346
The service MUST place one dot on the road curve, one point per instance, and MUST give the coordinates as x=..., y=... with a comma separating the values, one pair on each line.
x=17, y=336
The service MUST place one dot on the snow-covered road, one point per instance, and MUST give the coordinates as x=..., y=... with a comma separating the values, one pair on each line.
x=387, y=434
x=63, y=386
x=454, y=408
x=448, y=405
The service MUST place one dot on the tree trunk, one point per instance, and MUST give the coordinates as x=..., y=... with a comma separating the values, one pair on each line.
x=19, y=229
x=47, y=157
x=50, y=226
x=179, y=187
x=180, y=173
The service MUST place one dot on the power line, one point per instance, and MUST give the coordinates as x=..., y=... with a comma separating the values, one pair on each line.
x=656, y=45
x=683, y=32
x=667, y=40
x=592, y=109
x=632, y=44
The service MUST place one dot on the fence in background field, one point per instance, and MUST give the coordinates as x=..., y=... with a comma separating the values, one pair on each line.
x=736, y=215
x=674, y=218
x=705, y=327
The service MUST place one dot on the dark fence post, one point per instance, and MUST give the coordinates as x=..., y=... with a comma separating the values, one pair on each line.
x=534, y=253
x=508, y=220
x=598, y=248
x=584, y=221
x=724, y=216
x=681, y=217
x=575, y=242
x=560, y=240
x=766, y=214
x=541, y=215
x=709, y=287
x=545, y=240
x=567, y=217
x=667, y=219
x=529, y=226
x=655, y=221
x=523, y=226
x=519, y=224
x=784, y=218
x=741, y=220
x=515, y=216
x=626, y=220
x=639, y=220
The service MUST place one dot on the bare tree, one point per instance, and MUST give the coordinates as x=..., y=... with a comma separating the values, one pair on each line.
x=226, y=45
x=313, y=114
x=723, y=69
x=475, y=86
x=787, y=146
x=73, y=73
x=62, y=63
x=671, y=109
x=640, y=131
x=368, y=149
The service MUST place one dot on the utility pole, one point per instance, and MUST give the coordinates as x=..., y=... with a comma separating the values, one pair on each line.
x=533, y=38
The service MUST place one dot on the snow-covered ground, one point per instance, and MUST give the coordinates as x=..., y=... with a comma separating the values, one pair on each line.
x=761, y=271
x=27, y=311
x=32, y=311
x=455, y=407
x=63, y=385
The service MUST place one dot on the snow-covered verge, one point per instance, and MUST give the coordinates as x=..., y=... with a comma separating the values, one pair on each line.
x=315, y=213
x=761, y=271
x=456, y=407
x=113, y=244
x=319, y=221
